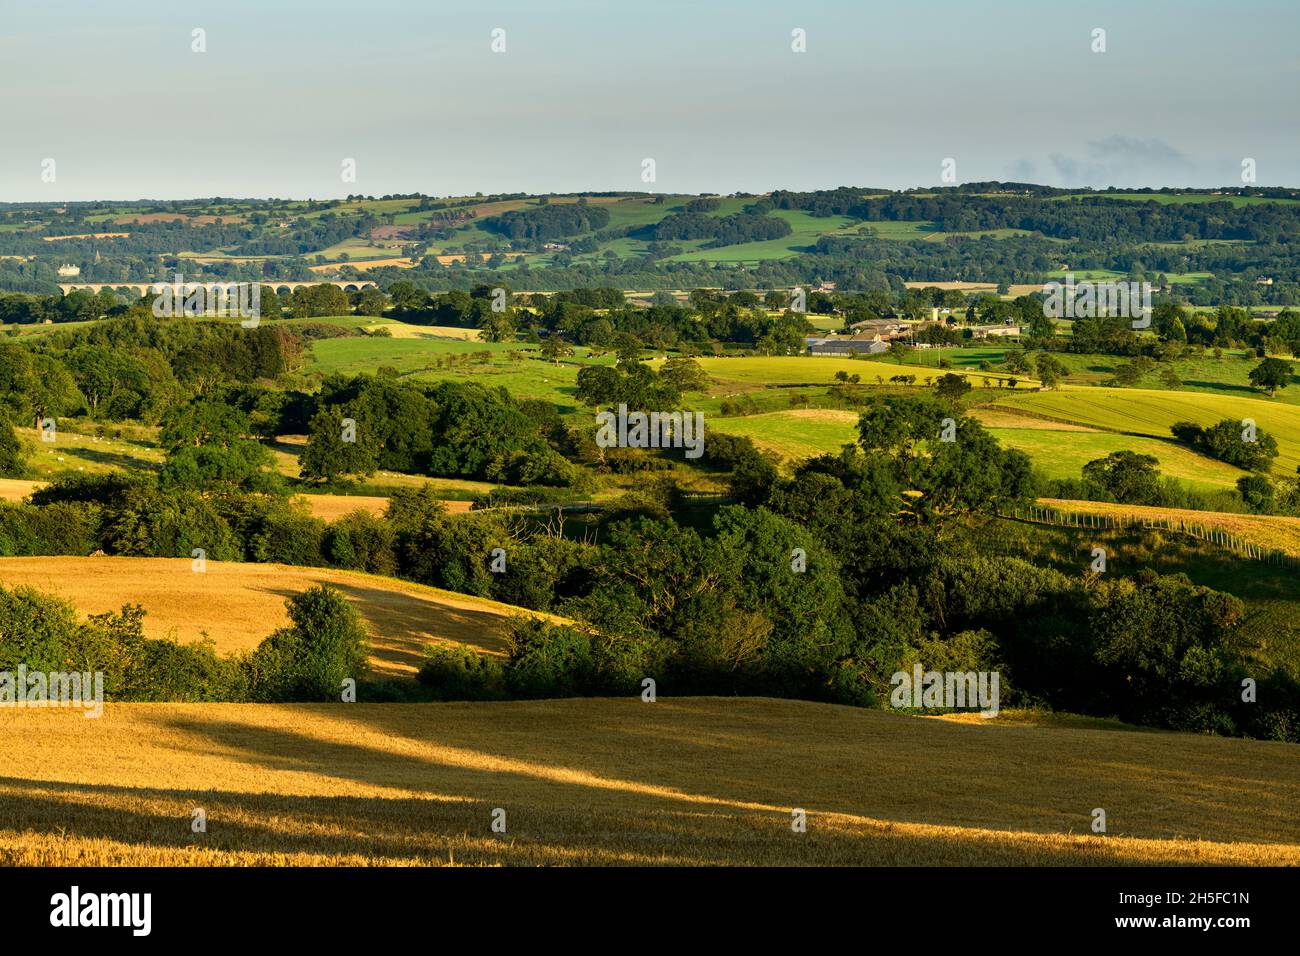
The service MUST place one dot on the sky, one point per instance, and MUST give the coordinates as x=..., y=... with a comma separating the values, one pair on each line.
x=585, y=91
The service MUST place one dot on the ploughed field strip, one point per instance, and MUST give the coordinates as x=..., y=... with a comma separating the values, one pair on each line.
x=238, y=605
x=604, y=781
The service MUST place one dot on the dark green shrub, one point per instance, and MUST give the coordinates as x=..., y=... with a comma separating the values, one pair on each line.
x=453, y=553
x=63, y=528
x=288, y=538
x=148, y=523
x=37, y=630
x=309, y=660
x=537, y=571
x=42, y=633
x=551, y=660
x=361, y=542
x=459, y=673
x=12, y=464
x=145, y=669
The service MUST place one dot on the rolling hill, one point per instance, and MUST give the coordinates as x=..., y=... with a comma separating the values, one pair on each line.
x=237, y=605
x=1151, y=412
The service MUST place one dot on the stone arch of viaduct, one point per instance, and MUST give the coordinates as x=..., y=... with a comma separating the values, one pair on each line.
x=144, y=288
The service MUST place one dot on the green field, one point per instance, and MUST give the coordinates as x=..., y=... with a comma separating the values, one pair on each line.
x=1112, y=275
x=806, y=230
x=359, y=250
x=640, y=212
x=378, y=207
x=531, y=377
x=71, y=451
x=1227, y=376
x=1145, y=415
x=794, y=434
x=810, y=370
x=1059, y=454
x=1151, y=413
x=355, y=354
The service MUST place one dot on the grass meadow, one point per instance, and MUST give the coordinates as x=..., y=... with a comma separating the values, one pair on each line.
x=1148, y=412
x=795, y=433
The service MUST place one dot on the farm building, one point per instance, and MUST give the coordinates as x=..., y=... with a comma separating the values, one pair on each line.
x=847, y=345
x=994, y=331
x=880, y=328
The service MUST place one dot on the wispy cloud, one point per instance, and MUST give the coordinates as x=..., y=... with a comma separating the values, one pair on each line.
x=1118, y=159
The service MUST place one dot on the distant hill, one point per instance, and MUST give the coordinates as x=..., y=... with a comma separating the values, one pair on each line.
x=1231, y=244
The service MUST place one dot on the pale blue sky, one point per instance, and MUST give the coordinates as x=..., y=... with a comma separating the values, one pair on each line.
x=586, y=89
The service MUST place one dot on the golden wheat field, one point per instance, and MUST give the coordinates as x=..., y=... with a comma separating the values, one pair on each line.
x=603, y=781
x=16, y=489
x=237, y=605
x=333, y=507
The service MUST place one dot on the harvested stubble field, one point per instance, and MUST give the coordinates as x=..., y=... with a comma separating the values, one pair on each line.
x=16, y=489
x=333, y=507
x=237, y=605
x=605, y=782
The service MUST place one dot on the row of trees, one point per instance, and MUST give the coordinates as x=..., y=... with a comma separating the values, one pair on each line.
x=81, y=305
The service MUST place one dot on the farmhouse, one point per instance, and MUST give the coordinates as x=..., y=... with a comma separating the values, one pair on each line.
x=994, y=331
x=883, y=328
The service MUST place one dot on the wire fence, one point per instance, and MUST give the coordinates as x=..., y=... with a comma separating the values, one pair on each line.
x=1065, y=518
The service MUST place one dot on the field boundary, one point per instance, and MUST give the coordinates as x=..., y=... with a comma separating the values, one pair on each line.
x=1069, y=518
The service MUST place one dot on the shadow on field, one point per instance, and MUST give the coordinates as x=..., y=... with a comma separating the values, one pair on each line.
x=111, y=459
x=758, y=757
x=1244, y=391
x=152, y=821
x=691, y=780
x=402, y=623
x=383, y=829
